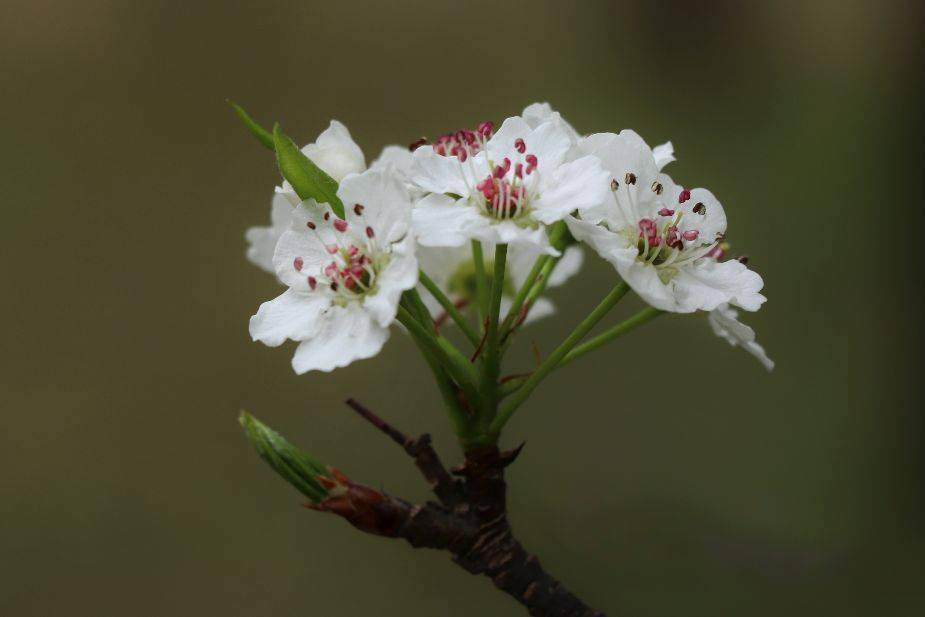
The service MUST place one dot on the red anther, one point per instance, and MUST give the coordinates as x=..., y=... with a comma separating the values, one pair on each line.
x=646, y=224
x=310, y=225
x=666, y=212
x=369, y=232
x=312, y=282
x=330, y=269
x=499, y=171
x=506, y=163
x=297, y=263
x=716, y=253
x=684, y=196
x=468, y=136
x=439, y=149
x=519, y=145
x=350, y=282
x=340, y=225
x=358, y=209
x=486, y=187
x=519, y=170
x=331, y=248
x=531, y=162
x=486, y=128
x=462, y=155
x=352, y=250
x=690, y=235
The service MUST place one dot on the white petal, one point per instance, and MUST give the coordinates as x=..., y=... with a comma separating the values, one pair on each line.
x=438, y=220
x=569, y=265
x=537, y=113
x=385, y=200
x=621, y=253
x=724, y=322
x=509, y=232
x=578, y=185
x=306, y=245
x=709, y=221
x=621, y=155
x=664, y=154
x=400, y=274
x=292, y=315
x=706, y=284
x=542, y=307
x=399, y=157
x=335, y=152
x=347, y=333
x=438, y=174
x=262, y=240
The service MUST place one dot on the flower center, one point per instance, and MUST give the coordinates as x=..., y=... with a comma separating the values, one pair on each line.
x=504, y=195
x=660, y=242
x=355, y=258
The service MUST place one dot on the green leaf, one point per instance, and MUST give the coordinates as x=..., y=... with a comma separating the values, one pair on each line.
x=263, y=136
x=308, y=180
x=296, y=467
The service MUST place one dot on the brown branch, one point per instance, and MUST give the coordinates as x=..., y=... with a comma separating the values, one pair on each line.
x=471, y=524
x=422, y=451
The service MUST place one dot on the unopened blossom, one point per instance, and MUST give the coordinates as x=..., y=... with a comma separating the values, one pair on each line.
x=335, y=152
x=453, y=270
x=345, y=276
x=725, y=323
x=502, y=187
x=659, y=236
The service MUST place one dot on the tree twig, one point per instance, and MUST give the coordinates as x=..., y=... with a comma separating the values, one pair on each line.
x=422, y=451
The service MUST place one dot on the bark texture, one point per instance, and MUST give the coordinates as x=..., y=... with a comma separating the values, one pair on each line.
x=468, y=520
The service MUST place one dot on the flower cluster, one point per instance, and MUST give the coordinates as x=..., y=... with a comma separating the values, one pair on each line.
x=433, y=218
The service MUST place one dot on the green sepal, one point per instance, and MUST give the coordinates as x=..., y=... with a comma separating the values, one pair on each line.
x=296, y=467
x=263, y=136
x=308, y=180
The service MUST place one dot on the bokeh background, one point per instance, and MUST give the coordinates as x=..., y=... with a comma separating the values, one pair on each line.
x=666, y=475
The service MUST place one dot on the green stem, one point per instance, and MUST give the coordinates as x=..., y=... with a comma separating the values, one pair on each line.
x=449, y=307
x=642, y=317
x=481, y=283
x=456, y=364
x=491, y=367
x=522, y=393
x=555, y=239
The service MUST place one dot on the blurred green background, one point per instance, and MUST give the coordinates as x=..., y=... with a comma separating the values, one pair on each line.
x=666, y=475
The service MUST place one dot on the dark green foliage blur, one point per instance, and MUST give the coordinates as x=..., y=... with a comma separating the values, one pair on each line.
x=668, y=474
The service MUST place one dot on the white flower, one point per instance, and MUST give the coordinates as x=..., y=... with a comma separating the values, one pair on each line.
x=453, y=270
x=502, y=188
x=338, y=155
x=724, y=321
x=660, y=237
x=345, y=277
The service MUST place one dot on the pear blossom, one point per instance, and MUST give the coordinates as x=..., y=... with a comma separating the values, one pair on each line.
x=345, y=276
x=661, y=237
x=503, y=187
x=335, y=152
x=725, y=323
x=453, y=270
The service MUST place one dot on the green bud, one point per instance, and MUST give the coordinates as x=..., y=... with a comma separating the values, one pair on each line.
x=296, y=467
